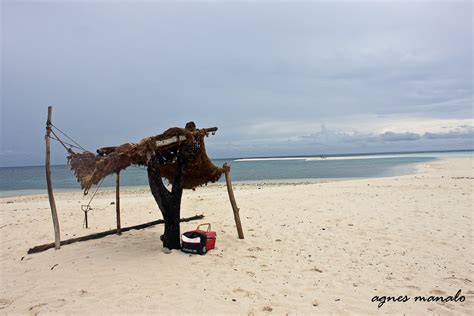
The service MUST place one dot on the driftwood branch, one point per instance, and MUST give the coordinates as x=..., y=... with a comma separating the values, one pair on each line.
x=159, y=141
x=44, y=247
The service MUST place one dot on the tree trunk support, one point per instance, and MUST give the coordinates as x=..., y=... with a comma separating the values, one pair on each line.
x=168, y=202
x=236, y=210
x=49, y=182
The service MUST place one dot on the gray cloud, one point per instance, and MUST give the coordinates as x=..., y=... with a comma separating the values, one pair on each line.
x=465, y=133
x=395, y=137
x=333, y=141
x=119, y=72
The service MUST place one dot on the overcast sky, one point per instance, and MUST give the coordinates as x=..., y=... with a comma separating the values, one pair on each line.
x=277, y=78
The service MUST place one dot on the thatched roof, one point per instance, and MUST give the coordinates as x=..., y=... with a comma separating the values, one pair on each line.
x=91, y=168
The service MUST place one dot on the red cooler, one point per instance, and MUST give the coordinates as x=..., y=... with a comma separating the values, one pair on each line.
x=210, y=235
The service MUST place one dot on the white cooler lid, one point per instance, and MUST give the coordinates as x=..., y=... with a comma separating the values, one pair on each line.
x=195, y=240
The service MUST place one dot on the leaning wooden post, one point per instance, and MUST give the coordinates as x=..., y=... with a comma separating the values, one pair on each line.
x=52, y=203
x=232, y=200
x=117, y=203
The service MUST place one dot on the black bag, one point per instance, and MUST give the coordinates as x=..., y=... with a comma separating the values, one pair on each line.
x=194, y=242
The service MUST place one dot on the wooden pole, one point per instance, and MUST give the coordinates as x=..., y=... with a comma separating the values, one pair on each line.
x=117, y=203
x=236, y=210
x=86, y=219
x=52, y=203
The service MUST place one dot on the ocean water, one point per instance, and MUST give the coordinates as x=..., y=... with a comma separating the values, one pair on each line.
x=29, y=180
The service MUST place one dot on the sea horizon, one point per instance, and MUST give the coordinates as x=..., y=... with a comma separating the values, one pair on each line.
x=25, y=180
x=329, y=155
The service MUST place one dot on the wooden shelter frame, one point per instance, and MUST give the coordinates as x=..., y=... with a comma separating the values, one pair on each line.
x=54, y=214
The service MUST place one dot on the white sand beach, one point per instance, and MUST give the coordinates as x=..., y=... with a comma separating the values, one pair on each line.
x=310, y=248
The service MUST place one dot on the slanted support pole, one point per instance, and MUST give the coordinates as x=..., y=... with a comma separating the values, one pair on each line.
x=236, y=210
x=41, y=248
x=117, y=203
x=52, y=203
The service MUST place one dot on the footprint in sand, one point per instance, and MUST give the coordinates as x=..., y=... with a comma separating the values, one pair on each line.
x=242, y=291
x=36, y=306
x=5, y=303
x=245, y=293
x=83, y=292
x=267, y=309
x=60, y=303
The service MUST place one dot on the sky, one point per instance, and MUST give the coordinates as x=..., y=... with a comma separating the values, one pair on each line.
x=277, y=78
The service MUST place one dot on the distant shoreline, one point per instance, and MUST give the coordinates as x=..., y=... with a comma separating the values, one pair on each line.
x=348, y=155
x=30, y=192
x=20, y=193
x=243, y=163
x=303, y=157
